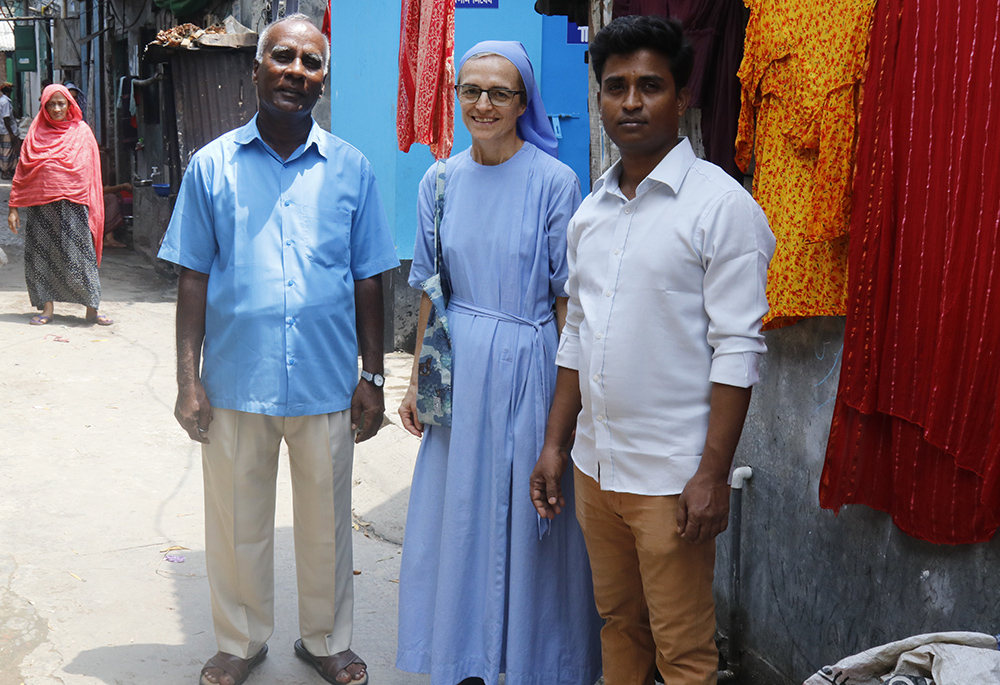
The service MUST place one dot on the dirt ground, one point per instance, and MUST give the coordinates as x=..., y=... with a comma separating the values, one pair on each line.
x=99, y=486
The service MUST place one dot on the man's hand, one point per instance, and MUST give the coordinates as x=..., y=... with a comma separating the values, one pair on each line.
x=193, y=411
x=408, y=411
x=703, y=509
x=546, y=492
x=367, y=409
x=13, y=219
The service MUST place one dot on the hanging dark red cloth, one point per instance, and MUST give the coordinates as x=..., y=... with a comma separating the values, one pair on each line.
x=916, y=427
x=716, y=29
x=326, y=19
x=425, y=110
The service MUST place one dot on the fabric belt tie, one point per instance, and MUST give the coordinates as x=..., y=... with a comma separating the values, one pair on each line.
x=460, y=306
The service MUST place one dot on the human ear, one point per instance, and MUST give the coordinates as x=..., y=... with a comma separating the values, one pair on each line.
x=683, y=100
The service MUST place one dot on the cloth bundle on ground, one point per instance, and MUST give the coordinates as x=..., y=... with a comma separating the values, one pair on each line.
x=954, y=658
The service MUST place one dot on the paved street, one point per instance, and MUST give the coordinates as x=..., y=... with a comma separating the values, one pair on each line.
x=98, y=486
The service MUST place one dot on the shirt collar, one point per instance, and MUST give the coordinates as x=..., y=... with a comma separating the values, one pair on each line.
x=249, y=132
x=670, y=171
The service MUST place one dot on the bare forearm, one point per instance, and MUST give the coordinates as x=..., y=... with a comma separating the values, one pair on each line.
x=192, y=293
x=566, y=407
x=728, y=411
x=561, y=304
x=368, y=312
x=425, y=312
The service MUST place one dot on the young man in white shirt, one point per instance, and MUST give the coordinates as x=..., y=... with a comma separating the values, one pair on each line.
x=667, y=267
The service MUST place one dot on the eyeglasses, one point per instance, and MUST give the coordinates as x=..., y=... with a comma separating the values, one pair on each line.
x=500, y=97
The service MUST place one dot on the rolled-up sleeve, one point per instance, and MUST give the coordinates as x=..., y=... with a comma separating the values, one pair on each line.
x=422, y=267
x=568, y=355
x=737, y=248
x=564, y=202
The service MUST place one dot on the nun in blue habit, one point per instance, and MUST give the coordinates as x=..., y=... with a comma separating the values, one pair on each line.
x=486, y=587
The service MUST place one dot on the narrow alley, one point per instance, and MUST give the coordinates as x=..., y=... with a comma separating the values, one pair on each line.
x=102, y=570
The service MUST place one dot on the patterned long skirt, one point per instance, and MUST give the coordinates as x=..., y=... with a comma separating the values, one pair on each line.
x=8, y=158
x=60, y=264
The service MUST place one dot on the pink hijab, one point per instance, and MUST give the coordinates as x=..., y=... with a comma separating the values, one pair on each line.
x=60, y=161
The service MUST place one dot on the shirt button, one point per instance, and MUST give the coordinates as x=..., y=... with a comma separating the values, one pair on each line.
x=288, y=242
x=290, y=321
x=597, y=377
x=599, y=336
x=628, y=211
x=607, y=293
x=618, y=251
x=600, y=418
x=291, y=362
x=287, y=203
x=291, y=283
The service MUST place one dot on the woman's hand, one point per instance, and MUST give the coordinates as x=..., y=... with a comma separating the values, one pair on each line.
x=13, y=220
x=408, y=411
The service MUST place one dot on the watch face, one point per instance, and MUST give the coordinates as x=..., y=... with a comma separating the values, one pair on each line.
x=378, y=380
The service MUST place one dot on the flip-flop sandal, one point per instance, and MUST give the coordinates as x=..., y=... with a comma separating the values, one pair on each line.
x=236, y=668
x=329, y=667
x=40, y=320
x=101, y=320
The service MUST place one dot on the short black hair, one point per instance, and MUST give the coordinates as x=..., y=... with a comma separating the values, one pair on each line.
x=625, y=35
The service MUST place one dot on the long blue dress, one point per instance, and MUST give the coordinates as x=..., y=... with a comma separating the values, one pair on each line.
x=481, y=591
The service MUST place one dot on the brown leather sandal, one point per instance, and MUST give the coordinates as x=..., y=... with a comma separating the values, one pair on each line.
x=236, y=668
x=329, y=667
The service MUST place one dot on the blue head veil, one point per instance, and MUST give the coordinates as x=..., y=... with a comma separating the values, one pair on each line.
x=532, y=126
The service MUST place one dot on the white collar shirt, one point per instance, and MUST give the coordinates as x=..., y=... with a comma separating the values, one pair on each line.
x=666, y=296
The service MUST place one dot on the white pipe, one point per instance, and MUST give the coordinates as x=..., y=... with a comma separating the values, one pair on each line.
x=740, y=476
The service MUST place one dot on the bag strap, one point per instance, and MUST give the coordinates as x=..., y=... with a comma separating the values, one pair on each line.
x=438, y=214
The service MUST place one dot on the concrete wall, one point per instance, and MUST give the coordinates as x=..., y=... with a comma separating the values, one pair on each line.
x=818, y=587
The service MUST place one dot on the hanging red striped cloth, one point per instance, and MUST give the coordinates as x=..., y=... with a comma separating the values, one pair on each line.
x=916, y=428
x=425, y=110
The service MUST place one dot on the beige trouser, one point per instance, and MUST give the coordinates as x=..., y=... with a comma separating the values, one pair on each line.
x=240, y=467
x=653, y=588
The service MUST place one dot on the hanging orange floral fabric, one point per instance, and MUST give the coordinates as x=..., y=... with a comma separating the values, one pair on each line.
x=425, y=109
x=801, y=71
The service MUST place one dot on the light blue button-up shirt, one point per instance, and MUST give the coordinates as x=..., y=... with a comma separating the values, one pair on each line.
x=283, y=242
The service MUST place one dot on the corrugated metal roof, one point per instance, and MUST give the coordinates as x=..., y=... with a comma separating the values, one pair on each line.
x=6, y=36
x=213, y=93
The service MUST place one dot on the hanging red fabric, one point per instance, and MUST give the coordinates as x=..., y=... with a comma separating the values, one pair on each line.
x=916, y=427
x=425, y=110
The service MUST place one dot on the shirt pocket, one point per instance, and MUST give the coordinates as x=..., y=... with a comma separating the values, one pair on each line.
x=326, y=235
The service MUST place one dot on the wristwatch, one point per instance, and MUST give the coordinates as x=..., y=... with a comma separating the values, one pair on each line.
x=375, y=378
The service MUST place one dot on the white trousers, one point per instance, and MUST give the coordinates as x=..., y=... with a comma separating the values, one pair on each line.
x=240, y=468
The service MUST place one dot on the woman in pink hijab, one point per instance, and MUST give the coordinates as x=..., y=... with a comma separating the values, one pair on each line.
x=58, y=183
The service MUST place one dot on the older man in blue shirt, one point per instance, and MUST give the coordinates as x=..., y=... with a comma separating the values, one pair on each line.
x=282, y=239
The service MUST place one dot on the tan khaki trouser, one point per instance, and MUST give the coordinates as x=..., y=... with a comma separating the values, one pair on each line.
x=653, y=588
x=240, y=468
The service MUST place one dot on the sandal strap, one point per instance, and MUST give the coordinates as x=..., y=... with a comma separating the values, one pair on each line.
x=340, y=661
x=236, y=668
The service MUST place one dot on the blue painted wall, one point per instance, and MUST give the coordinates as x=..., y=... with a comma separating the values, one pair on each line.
x=363, y=84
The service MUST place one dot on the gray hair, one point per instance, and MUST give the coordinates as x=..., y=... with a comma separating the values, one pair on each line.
x=266, y=32
x=480, y=55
